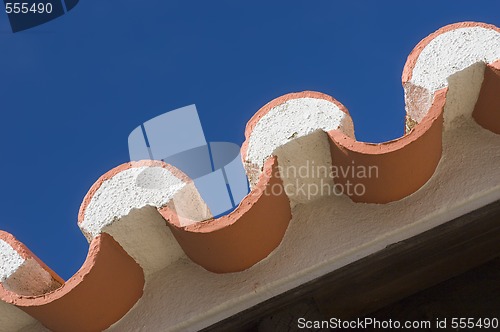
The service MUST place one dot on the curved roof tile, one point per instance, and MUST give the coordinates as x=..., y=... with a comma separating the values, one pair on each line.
x=453, y=72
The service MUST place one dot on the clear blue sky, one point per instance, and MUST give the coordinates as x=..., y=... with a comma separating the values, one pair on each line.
x=72, y=90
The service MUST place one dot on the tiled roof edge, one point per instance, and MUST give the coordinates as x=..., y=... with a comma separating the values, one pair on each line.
x=128, y=247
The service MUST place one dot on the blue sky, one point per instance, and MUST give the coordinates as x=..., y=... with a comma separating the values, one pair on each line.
x=73, y=89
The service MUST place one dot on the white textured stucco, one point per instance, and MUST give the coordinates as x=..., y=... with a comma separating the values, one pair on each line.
x=144, y=235
x=454, y=51
x=305, y=167
x=132, y=188
x=294, y=132
x=293, y=119
x=125, y=207
x=464, y=87
x=10, y=260
x=459, y=55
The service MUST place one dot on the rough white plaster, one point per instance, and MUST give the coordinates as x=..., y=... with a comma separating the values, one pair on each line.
x=10, y=260
x=294, y=132
x=305, y=165
x=293, y=119
x=132, y=188
x=146, y=238
x=323, y=236
x=125, y=207
x=464, y=87
x=454, y=51
x=440, y=65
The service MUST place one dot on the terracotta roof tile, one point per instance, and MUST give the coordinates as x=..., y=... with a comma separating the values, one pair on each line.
x=453, y=73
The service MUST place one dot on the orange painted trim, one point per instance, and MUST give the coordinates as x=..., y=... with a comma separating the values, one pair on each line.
x=247, y=235
x=415, y=53
x=487, y=110
x=105, y=288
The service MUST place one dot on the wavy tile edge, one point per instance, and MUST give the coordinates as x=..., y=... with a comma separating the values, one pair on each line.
x=49, y=302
